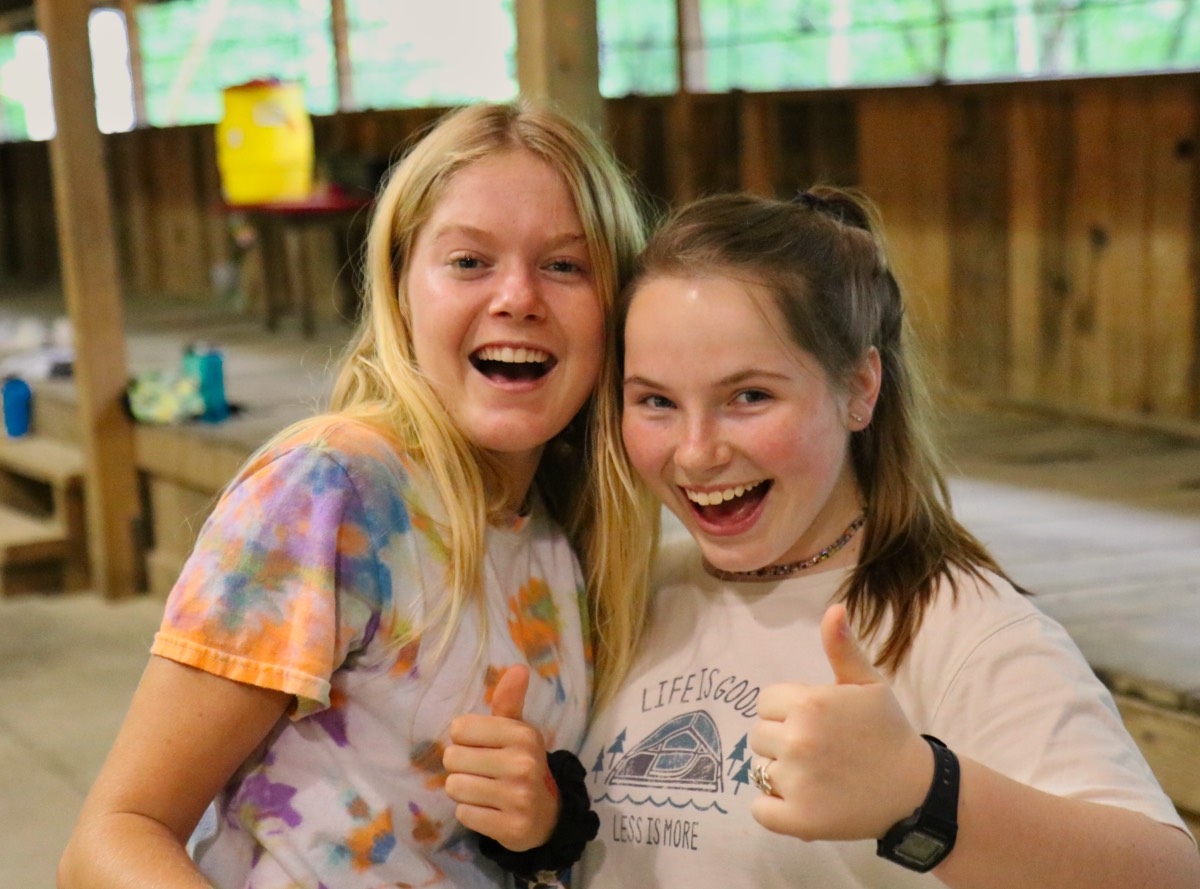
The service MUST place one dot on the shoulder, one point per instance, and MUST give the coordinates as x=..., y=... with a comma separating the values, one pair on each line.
x=971, y=613
x=348, y=442
x=331, y=454
x=981, y=633
x=978, y=606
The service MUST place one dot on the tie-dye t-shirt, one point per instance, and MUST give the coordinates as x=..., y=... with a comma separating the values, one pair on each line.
x=308, y=578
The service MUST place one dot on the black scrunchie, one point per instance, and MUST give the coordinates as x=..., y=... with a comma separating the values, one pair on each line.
x=577, y=824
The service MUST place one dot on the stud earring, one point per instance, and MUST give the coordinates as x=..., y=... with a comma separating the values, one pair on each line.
x=857, y=418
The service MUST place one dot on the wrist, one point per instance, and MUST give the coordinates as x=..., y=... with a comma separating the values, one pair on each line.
x=919, y=766
x=923, y=840
x=575, y=825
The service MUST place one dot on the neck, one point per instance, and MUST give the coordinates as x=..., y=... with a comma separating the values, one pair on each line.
x=515, y=475
x=789, y=569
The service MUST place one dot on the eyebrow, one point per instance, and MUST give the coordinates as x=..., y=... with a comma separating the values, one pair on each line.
x=732, y=379
x=473, y=231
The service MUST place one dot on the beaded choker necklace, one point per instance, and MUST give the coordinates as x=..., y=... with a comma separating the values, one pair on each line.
x=774, y=572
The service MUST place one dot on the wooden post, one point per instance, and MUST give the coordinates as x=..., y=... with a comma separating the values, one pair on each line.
x=692, y=54
x=90, y=279
x=558, y=57
x=681, y=124
x=339, y=23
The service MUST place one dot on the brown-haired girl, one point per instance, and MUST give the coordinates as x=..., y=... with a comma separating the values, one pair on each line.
x=909, y=708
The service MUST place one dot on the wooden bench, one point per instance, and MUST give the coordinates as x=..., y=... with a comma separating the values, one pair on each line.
x=1165, y=723
x=43, y=525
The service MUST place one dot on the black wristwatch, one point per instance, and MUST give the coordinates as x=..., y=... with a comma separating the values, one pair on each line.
x=922, y=840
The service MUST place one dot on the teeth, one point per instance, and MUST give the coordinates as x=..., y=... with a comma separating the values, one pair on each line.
x=509, y=355
x=712, y=498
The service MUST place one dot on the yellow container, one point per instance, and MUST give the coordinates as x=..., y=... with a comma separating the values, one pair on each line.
x=265, y=143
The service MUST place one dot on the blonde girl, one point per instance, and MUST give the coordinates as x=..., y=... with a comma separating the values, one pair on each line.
x=406, y=558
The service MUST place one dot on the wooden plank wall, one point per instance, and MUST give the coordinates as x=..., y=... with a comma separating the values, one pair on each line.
x=1058, y=263
x=28, y=237
x=171, y=228
x=1048, y=233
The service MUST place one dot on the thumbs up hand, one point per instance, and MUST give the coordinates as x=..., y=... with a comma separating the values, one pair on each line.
x=497, y=770
x=844, y=761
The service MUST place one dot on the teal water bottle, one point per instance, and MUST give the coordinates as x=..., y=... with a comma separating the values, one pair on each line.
x=206, y=364
x=212, y=387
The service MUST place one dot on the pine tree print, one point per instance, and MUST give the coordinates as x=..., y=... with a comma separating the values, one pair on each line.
x=737, y=754
x=742, y=777
x=618, y=747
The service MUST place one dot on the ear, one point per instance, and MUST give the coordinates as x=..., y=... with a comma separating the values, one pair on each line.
x=864, y=389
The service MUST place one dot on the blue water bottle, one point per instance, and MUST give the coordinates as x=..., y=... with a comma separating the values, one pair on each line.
x=17, y=398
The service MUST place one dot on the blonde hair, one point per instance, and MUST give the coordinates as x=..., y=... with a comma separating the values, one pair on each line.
x=822, y=258
x=380, y=383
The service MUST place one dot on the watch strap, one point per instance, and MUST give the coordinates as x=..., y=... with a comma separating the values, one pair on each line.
x=934, y=824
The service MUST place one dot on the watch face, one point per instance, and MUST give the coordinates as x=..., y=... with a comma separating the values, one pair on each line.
x=919, y=847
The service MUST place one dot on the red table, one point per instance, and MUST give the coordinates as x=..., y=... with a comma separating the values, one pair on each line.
x=278, y=225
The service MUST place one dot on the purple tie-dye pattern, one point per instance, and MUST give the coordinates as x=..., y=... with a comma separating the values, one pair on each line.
x=333, y=722
x=267, y=799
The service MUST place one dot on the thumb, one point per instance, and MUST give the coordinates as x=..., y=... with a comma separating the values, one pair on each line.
x=851, y=664
x=508, y=697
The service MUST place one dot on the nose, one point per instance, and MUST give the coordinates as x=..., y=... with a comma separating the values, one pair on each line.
x=702, y=447
x=518, y=295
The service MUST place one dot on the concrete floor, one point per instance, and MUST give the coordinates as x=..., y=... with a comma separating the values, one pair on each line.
x=68, y=665
x=1104, y=524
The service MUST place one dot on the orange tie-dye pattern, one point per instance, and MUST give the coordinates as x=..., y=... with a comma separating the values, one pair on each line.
x=534, y=624
x=491, y=676
x=425, y=830
x=370, y=844
x=428, y=530
x=406, y=659
x=426, y=758
x=353, y=540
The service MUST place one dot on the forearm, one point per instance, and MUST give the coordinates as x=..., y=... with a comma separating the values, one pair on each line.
x=1012, y=836
x=126, y=851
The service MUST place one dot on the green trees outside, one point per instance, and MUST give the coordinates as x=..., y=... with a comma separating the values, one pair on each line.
x=813, y=44
x=413, y=52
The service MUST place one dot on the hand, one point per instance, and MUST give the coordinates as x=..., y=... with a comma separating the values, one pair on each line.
x=498, y=771
x=846, y=763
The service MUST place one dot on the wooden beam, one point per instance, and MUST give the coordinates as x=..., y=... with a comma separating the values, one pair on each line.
x=339, y=24
x=691, y=52
x=90, y=280
x=558, y=57
x=682, y=173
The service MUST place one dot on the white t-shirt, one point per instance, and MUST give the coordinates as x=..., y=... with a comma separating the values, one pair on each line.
x=669, y=761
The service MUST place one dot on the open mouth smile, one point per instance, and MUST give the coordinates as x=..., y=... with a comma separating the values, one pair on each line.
x=512, y=364
x=727, y=508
